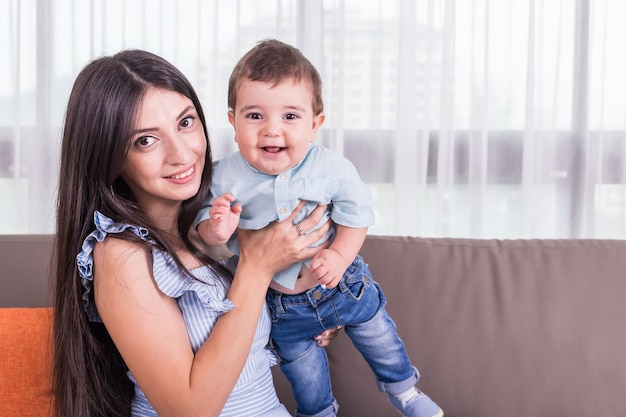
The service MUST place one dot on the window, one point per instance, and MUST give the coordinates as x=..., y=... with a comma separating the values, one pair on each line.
x=482, y=118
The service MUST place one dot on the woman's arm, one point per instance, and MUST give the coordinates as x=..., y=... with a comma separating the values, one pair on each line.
x=149, y=331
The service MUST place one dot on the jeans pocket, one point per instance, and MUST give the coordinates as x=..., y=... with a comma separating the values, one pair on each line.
x=356, y=289
x=356, y=280
x=361, y=300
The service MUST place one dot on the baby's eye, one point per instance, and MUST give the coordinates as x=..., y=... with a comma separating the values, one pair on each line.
x=254, y=116
x=291, y=116
x=144, y=141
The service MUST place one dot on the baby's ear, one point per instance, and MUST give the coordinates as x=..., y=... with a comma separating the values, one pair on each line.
x=317, y=122
x=231, y=120
x=231, y=117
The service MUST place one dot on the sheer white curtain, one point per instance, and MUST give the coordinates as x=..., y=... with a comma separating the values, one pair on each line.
x=468, y=118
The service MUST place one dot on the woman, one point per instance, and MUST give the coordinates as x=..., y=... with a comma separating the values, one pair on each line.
x=146, y=322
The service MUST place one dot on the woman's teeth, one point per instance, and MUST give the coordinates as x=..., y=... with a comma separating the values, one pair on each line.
x=183, y=175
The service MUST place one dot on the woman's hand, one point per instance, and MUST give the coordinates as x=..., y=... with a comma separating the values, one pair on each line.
x=327, y=336
x=280, y=244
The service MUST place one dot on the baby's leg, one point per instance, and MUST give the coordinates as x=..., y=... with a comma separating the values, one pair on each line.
x=306, y=367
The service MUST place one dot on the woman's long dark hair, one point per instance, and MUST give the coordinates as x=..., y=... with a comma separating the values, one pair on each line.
x=89, y=376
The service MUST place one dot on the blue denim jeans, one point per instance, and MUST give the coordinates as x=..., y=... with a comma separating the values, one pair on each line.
x=358, y=304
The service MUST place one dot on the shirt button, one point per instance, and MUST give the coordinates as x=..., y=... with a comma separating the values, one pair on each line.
x=282, y=210
x=317, y=294
x=282, y=177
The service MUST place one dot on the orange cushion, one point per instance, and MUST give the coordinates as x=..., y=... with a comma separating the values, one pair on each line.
x=25, y=362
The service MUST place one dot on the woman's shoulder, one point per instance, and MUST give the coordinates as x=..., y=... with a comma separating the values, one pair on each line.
x=103, y=237
x=121, y=265
x=113, y=254
x=121, y=252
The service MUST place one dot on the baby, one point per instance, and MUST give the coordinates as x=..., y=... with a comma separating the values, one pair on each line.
x=276, y=108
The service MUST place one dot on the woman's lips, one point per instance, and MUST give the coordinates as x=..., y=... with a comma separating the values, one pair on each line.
x=184, y=176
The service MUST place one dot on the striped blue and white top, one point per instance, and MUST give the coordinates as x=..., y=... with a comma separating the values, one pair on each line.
x=201, y=301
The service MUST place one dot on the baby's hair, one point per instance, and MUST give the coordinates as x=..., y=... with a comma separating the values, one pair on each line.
x=273, y=61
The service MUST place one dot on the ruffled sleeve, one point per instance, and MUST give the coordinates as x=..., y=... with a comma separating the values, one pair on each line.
x=168, y=277
x=84, y=259
x=204, y=285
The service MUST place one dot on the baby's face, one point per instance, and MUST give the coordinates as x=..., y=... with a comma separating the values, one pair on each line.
x=274, y=124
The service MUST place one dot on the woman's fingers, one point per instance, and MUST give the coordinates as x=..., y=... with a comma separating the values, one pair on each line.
x=282, y=243
x=312, y=220
x=327, y=336
x=305, y=228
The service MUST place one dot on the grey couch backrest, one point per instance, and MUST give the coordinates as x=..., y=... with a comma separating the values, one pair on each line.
x=523, y=328
x=500, y=328
x=24, y=270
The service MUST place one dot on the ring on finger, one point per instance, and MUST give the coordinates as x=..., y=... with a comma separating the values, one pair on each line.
x=302, y=233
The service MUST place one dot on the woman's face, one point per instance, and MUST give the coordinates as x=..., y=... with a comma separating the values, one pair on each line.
x=167, y=153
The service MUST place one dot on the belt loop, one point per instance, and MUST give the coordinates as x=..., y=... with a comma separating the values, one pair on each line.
x=277, y=300
x=343, y=286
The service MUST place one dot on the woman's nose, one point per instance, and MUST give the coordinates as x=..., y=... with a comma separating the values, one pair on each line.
x=178, y=150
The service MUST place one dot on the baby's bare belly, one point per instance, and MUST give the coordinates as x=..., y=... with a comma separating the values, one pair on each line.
x=305, y=281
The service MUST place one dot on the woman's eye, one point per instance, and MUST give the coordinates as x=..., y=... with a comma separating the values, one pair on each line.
x=187, y=122
x=144, y=141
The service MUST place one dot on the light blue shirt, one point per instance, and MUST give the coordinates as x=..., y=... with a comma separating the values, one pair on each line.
x=322, y=177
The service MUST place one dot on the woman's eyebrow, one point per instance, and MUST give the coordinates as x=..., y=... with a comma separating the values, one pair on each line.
x=149, y=129
x=186, y=110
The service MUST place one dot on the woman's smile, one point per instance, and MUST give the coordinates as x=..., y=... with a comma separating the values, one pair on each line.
x=184, y=177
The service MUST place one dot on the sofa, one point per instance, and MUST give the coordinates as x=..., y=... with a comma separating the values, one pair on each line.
x=497, y=328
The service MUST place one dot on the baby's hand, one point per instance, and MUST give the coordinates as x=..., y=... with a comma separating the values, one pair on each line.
x=328, y=267
x=223, y=220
